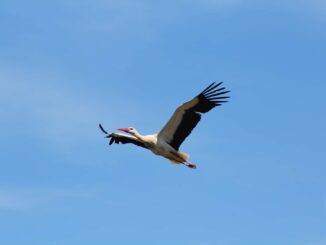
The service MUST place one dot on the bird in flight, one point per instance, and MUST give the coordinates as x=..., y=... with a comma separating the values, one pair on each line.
x=166, y=143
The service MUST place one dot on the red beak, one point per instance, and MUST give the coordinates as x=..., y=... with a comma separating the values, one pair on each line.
x=124, y=129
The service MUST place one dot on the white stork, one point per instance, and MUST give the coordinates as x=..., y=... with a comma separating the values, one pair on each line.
x=167, y=142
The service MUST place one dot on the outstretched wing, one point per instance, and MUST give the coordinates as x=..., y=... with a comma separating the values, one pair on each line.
x=121, y=138
x=187, y=116
x=124, y=139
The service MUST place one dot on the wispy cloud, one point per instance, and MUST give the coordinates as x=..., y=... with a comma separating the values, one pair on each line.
x=27, y=199
x=219, y=3
x=318, y=6
x=124, y=17
x=318, y=3
x=40, y=103
x=9, y=200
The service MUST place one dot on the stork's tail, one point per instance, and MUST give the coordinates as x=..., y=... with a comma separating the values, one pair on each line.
x=183, y=155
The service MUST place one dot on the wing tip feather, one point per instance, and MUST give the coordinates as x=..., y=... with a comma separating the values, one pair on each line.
x=102, y=129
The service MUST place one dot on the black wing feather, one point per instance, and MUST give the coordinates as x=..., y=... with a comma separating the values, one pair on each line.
x=207, y=100
x=118, y=138
x=189, y=121
x=102, y=129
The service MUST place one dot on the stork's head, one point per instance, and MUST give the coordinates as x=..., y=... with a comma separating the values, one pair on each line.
x=129, y=130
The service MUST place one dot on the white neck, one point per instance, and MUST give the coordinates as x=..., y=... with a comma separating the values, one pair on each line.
x=139, y=136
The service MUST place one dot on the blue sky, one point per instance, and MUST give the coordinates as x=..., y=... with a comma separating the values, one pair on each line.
x=67, y=65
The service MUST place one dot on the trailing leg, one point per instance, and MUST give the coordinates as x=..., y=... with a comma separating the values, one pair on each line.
x=190, y=165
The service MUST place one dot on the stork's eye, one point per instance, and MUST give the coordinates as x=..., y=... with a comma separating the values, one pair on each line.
x=131, y=128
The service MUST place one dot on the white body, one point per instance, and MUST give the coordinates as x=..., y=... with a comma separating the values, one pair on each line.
x=161, y=148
